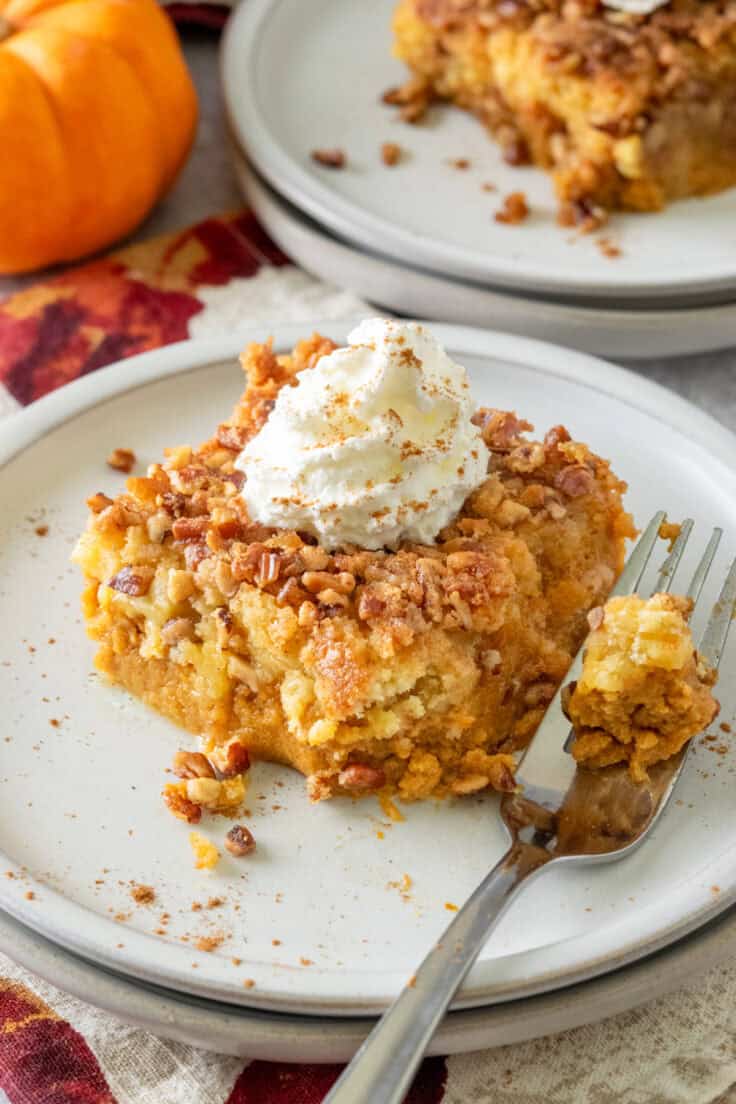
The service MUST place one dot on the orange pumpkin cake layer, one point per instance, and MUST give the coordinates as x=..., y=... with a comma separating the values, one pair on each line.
x=626, y=111
x=417, y=671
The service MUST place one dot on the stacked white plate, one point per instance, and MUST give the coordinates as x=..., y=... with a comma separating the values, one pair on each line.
x=322, y=918
x=420, y=237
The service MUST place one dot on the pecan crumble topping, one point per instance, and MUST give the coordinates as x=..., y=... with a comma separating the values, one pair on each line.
x=330, y=158
x=240, y=841
x=121, y=459
x=625, y=110
x=514, y=209
x=391, y=153
x=406, y=673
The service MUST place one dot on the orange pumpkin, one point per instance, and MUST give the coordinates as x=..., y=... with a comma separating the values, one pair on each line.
x=97, y=113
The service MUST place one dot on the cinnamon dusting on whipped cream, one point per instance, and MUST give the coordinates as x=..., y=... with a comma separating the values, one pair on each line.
x=372, y=446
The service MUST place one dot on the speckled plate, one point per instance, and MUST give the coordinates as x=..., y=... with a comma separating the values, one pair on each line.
x=303, y=76
x=319, y=918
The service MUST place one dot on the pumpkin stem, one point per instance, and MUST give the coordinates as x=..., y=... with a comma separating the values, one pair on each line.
x=5, y=28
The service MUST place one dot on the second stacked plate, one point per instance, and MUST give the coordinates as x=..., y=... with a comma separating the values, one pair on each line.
x=420, y=238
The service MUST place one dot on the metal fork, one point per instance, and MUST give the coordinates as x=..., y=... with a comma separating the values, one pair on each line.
x=558, y=815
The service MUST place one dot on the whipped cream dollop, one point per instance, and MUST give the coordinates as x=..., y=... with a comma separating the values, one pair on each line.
x=636, y=7
x=374, y=444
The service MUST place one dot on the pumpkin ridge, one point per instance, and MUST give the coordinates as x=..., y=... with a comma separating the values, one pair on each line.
x=167, y=81
x=112, y=192
x=100, y=44
x=42, y=230
x=97, y=114
x=47, y=95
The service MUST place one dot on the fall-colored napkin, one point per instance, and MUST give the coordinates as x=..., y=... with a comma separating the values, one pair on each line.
x=54, y=1049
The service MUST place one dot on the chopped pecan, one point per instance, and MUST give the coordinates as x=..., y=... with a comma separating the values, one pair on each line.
x=229, y=527
x=134, y=581
x=575, y=480
x=555, y=436
x=501, y=429
x=256, y=564
x=98, y=502
x=192, y=764
x=240, y=841
x=394, y=96
x=415, y=111
x=232, y=437
x=514, y=209
x=526, y=458
x=121, y=459
x=413, y=97
x=269, y=568
x=515, y=151
x=182, y=807
x=359, y=776
x=197, y=504
x=370, y=604
x=390, y=153
x=174, y=503
x=583, y=214
x=235, y=760
x=191, y=478
x=189, y=528
x=501, y=774
x=314, y=559
x=291, y=594
x=330, y=158
x=332, y=600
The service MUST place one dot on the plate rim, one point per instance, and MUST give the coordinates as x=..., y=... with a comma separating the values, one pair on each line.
x=248, y=1032
x=284, y=222
x=351, y=221
x=26, y=427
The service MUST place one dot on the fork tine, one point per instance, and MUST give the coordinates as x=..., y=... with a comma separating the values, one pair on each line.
x=666, y=575
x=630, y=577
x=701, y=572
x=716, y=632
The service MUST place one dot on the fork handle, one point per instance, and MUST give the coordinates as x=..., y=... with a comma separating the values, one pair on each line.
x=383, y=1068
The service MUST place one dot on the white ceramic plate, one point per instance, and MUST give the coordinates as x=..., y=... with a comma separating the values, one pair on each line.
x=80, y=816
x=592, y=329
x=302, y=76
x=279, y=1037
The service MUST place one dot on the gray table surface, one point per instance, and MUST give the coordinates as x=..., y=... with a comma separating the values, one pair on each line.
x=207, y=186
